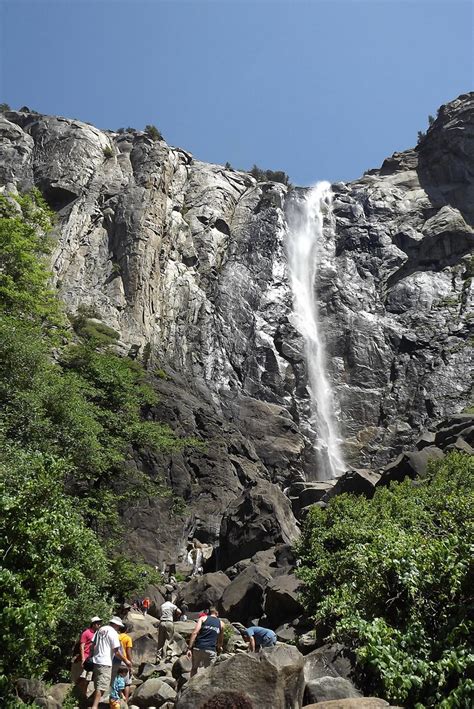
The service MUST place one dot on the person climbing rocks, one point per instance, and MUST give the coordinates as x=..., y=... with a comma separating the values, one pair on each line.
x=146, y=605
x=258, y=637
x=80, y=676
x=106, y=645
x=206, y=641
x=168, y=612
x=118, y=687
x=127, y=644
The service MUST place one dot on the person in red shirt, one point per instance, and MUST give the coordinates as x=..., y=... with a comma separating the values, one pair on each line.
x=79, y=676
x=145, y=605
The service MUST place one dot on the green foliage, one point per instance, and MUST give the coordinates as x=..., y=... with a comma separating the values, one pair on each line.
x=70, y=417
x=54, y=571
x=4, y=107
x=420, y=136
x=24, y=225
x=229, y=633
x=269, y=175
x=108, y=152
x=153, y=132
x=391, y=576
x=431, y=120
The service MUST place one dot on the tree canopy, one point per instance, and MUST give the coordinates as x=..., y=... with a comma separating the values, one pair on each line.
x=392, y=578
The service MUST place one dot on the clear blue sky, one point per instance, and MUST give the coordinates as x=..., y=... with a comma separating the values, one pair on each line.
x=322, y=90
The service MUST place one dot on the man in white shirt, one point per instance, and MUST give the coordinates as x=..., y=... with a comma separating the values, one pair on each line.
x=106, y=644
x=166, y=628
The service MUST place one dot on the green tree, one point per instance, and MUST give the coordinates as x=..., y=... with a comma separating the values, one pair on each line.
x=392, y=577
x=153, y=132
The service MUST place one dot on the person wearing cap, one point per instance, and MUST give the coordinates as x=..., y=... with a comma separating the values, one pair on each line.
x=79, y=675
x=106, y=646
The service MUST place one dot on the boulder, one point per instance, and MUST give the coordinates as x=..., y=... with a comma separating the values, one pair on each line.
x=204, y=591
x=144, y=648
x=359, y=482
x=333, y=660
x=328, y=688
x=138, y=624
x=184, y=627
x=29, y=690
x=156, y=599
x=353, y=703
x=153, y=693
x=270, y=679
x=307, y=642
x=243, y=598
x=259, y=519
x=409, y=464
x=281, y=599
x=59, y=691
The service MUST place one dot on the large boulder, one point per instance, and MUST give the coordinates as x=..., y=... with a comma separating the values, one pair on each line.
x=29, y=690
x=329, y=660
x=259, y=519
x=328, y=688
x=410, y=464
x=281, y=599
x=359, y=482
x=271, y=679
x=153, y=693
x=204, y=591
x=243, y=598
x=144, y=648
x=352, y=703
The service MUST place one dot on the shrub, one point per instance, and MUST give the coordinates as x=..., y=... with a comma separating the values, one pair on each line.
x=269, y=175
x=391, y=577
x=153, y=132
x=4, y=107
x=108, y=152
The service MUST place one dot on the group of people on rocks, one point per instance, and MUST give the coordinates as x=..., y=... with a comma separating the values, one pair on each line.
x=105, y=657
x=104, y=652
x=207, y=638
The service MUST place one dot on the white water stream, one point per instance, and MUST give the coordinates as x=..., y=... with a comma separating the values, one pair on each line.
x=305, y=245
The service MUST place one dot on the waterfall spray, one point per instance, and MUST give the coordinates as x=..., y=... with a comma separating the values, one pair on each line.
x=305, y=242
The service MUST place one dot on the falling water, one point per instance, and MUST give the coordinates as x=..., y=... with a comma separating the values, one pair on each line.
x=305, y=244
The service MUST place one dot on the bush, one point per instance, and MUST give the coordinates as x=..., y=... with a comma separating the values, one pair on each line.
x=153, y=132
x=4, y=107
x=70, y=416
x=108, y=152
x=269, y=175
x=391, y=577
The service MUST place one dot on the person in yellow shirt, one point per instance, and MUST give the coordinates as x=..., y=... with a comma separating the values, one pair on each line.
x=126, y=643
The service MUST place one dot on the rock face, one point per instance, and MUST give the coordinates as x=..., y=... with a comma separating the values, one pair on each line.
x=186, y=260
x=271, y=679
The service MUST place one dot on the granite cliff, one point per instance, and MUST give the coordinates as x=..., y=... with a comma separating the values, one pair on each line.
x=187, y=262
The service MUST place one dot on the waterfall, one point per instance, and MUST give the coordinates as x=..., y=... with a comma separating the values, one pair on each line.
x=306, y=242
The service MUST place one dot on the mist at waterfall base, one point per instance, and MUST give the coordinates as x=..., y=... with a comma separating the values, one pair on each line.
x=305, y=239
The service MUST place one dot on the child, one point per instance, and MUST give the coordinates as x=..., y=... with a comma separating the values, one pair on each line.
x=117, y=688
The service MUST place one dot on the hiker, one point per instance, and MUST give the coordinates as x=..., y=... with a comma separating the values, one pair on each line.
x=258, y=637
x=168, y=611
x=106, y=645
x=127, y=644
x=145, y=605
x=206, y=641
x=117, y=689
x=81, y=676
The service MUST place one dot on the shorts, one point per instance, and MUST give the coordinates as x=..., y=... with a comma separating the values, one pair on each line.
x=268, y=641
x=203, y=658
x=78, y=672
x=102, y=677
